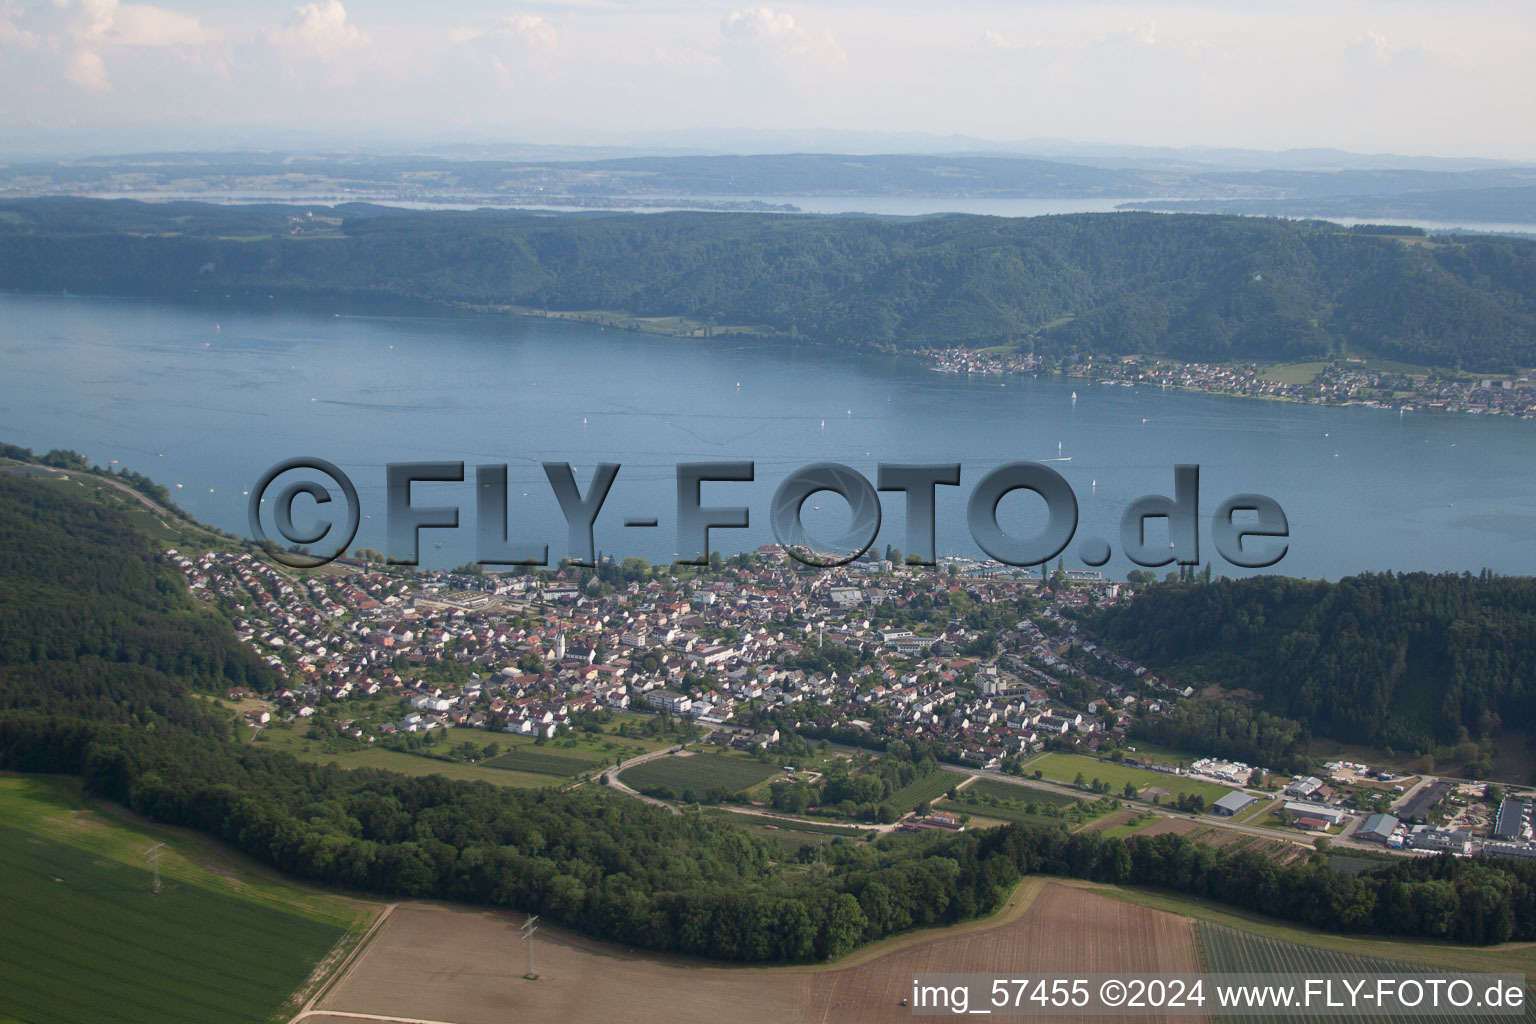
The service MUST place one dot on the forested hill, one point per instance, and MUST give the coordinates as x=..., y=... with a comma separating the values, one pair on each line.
x=93, y=623
x=1407, y=661
x=1193, y=287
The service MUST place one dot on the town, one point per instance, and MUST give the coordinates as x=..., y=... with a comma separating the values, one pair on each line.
x=983, y=667
x=1349, y=381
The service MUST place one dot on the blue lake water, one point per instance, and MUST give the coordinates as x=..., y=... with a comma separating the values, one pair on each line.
x=208, y=399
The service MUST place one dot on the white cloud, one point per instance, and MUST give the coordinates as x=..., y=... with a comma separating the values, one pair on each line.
x=109, y=23
x=1145, y=35
x=518, y=49
x=1379, y=51
x=11, y=31
x=86, y=69
x=779, y=37
x=147, y=25
x=322, y=29
x=1368, y=74
x=997, y=40
x=530, y=30
x=762, y=23
x=86, y=34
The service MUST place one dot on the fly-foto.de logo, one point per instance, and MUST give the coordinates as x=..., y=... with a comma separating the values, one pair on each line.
x=1256, y=541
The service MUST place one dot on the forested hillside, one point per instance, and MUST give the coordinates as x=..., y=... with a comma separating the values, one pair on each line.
x=1189, y=286
x=92, y=625
x=1407, y=661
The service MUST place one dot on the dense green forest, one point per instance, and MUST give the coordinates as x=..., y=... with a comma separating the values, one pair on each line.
x=1228, y=729
x=89, y=691
x=1189, y=286
x=93, y=625
x=1411, y=661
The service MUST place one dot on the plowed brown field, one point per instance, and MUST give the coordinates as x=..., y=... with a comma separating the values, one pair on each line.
x=1066, y=931
x=448, y=964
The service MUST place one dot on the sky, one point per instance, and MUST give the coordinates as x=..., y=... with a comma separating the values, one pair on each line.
x=1400, y=76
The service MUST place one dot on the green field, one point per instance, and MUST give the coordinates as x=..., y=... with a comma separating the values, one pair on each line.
x=700, y=773
x=541, y=762
x=414, y=764
x=1065, y=767
x=1230, y=951
x=1130, y=827
x=923, y=790
x=1007, y=801
x=87, y=940
x=1293, y=373
x=1015, y=792
x=295, y=740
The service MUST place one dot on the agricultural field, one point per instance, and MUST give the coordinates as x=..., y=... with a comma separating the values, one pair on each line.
x=87, y=939
x=1087, y=933
x=604, y=746
x=923, y=790
x=415, y=764
x=465, y=966
x=1198, y=831
x=699, y=772
x=415, y=967
x=1293, y=373
x=1230, y=951
x=1066, y=767
x=541, y=761
x=296, y=741
x=1016, y=792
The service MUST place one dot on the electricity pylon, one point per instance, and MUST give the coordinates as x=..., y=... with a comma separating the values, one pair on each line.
x=153, y=856
x=528, y=929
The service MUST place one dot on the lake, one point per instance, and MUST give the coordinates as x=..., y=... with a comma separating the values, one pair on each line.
x=204, y=400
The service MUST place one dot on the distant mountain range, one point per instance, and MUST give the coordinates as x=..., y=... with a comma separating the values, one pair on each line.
x=1314, y=182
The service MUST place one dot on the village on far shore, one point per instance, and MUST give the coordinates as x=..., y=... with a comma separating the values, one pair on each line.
x=1348, y=381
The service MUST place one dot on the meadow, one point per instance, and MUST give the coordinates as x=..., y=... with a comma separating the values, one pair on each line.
x=1066, y=767
x=542, y=762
